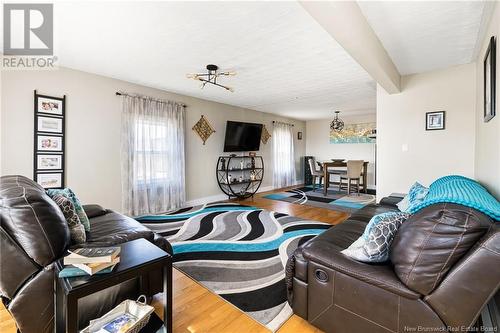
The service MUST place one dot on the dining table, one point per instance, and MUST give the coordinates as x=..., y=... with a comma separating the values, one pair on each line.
x=340, y=164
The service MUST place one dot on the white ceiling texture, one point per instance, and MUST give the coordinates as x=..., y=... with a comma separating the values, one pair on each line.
x=286, y=63
x=421, y=36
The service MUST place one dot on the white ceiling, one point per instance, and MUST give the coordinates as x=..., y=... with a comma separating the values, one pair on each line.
x=286, y=63
x=422, y=36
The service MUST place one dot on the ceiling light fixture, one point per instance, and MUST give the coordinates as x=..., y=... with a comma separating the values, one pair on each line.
x=211, y=77
x=337, y=124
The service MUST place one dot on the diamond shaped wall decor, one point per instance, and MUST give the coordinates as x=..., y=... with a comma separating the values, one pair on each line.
x=265, y=135
x=203, y=129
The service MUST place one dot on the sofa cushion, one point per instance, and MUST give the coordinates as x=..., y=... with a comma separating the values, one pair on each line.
x=431, y=241
x=366, y=213
x=382, y=275
x=113, y=228
x=94, y=210
x=342, y=235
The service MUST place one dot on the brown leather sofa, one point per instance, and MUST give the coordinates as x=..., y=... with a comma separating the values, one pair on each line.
x=34, y=234
x=444, y=268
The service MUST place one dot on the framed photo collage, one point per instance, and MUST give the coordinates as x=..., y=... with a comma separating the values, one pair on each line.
x=49, y=140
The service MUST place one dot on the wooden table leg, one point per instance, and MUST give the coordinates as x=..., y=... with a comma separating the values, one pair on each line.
x=71, y=314
x=326, y=179
x=167, y=297
x=365, y=176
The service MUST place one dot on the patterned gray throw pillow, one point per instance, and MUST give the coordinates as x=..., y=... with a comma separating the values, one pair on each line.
x=375, y=243
x=76, y=228
x=381, y=236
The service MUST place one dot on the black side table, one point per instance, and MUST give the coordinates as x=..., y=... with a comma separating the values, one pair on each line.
x=137, y=258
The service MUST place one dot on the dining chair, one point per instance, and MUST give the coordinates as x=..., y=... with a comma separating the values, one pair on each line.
x=353, y=175
x=314, y=172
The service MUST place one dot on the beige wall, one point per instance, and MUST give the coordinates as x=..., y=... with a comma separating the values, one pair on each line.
x=430, y=154
x=93, y=133
x=318, y=144
x=487, y=152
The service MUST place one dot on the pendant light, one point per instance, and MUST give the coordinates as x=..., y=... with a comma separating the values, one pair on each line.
x=337, y=124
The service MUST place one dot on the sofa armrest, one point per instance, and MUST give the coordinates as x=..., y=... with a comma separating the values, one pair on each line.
x=94, y=210
x=390, y=201
x=163, y=244
x=380, y=275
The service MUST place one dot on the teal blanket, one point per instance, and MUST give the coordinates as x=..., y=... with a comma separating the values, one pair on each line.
x=461, y=190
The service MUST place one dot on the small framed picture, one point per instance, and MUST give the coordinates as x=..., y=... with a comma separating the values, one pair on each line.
x=490, y=81
x=299, y=135
x=49, y=105
x=49, y=162
x=50, y=124
x=49, y=180
x=49, y=143
x=434, y=121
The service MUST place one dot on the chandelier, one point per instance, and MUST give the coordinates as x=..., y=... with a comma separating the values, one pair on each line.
x=211, y=77
x=337, y=124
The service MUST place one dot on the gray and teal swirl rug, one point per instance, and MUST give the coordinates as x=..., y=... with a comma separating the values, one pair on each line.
x=334, y=200
x=238, y=252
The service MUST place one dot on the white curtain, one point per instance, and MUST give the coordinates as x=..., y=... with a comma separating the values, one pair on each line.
x=152, y=155
x=283, y=155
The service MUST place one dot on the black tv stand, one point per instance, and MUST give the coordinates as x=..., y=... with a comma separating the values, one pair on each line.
x=239, y=176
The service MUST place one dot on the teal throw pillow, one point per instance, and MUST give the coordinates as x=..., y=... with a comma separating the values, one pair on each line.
x=415, y=196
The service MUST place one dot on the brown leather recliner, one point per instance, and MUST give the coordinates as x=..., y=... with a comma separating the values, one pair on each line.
x=34, y=234
x=444, y=268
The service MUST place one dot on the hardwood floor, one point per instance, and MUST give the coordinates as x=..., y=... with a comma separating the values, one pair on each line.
x=198, y=310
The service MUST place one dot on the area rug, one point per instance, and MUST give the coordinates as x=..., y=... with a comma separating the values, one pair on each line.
x=238, y=252
x=334, y=200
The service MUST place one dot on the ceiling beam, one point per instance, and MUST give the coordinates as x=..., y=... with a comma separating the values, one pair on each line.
x=345, y=22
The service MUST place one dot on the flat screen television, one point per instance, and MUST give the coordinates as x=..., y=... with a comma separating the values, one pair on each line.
x=242, y=136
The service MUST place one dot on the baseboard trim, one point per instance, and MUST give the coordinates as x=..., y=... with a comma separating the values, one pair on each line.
x=221, y=197
x=206, y=200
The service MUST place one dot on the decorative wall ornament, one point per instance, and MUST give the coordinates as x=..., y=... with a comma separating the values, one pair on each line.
x=354, y=133
x=203, y=129
x=265, y=135
x=49, y=140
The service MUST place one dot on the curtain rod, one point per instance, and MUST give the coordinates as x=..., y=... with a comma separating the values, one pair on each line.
x=125, y=94
x=274, y=121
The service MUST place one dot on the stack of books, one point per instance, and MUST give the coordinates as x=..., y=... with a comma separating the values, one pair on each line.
x=90, y=261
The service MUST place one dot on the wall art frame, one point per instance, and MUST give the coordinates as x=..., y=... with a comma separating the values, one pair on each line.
x=435, y=121
x=489, y=84
x=49, y=140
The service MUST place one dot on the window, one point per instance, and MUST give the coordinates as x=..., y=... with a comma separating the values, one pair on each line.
x=152, y=156
x=151, y=149
x=283, y=155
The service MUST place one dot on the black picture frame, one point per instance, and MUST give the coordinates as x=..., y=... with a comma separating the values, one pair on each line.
x=49, y=177
x=489, y=81
x=299, y=135
x=430, y=120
